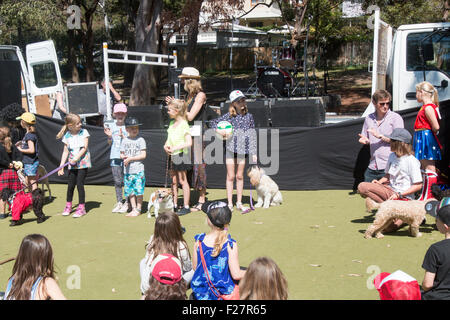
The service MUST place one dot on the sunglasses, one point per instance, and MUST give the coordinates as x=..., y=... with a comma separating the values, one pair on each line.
x=384, y=103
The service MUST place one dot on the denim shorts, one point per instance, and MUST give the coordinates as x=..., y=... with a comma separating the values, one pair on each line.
x=30, y=169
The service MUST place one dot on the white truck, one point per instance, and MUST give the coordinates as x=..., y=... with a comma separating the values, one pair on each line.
x=37, y=77
x=416, y=53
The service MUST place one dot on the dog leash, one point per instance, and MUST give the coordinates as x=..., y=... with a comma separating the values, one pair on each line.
x=43, y=177
x=251, y=198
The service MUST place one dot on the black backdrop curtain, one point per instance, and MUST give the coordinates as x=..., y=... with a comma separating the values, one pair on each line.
x=327, y=157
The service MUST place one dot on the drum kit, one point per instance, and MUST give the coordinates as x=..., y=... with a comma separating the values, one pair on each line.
x=280, y=79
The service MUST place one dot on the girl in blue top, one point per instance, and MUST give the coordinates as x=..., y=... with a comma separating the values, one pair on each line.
x=220, y=253
x=33, y=276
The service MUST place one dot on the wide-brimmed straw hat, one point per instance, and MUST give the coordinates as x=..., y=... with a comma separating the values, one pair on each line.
x=189, y=73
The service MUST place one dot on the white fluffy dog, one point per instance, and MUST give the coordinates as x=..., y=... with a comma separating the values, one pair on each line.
x=267, y=189
x=161, y=200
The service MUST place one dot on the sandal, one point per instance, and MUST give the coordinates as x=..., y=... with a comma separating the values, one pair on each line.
x=197, y=207
x=133, y=213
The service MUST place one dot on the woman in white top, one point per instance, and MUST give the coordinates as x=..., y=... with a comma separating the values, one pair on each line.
x=168, y=238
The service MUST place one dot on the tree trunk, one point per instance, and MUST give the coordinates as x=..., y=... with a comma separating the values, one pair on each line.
x=148, y=31
x=131, y=10
x=88, y=46
x=194, y=7
x=72, y=56
x=300, y=10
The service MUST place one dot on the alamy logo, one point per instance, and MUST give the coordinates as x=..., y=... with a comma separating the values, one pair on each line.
x=370, y=21
x=74, y=19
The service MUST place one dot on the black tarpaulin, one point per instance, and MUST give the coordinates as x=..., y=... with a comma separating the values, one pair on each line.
x=327, y=157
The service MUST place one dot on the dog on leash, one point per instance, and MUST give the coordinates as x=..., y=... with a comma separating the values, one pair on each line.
x=20, y=202
x=161, y=200
x=266, y=188
x=411, y=212
x=41, y=171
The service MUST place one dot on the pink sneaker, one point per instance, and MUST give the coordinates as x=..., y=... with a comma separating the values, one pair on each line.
x=81, y=211
x=67, y=209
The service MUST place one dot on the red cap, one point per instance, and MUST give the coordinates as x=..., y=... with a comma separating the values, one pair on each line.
x=397, y=286
x=166, y=269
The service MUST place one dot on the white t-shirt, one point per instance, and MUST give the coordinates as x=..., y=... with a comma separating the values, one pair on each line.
x=133, y=147
x=186, y=266
x=403, y=172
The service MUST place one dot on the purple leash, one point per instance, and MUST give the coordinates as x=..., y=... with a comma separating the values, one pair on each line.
x=45, y=176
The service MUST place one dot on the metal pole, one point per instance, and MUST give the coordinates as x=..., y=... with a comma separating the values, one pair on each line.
x=375, y=50
x=231, y=53
x=106, y=70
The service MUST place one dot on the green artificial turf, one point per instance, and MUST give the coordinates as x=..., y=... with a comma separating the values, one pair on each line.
x=316, y=238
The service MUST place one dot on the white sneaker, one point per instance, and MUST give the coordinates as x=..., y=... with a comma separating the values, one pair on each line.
x=123, y=208
x=117, y=207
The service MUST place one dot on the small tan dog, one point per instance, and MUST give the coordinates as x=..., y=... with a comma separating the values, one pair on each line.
x=267, y=189
x=161, y=200
x=41, y=171
x=411, y=212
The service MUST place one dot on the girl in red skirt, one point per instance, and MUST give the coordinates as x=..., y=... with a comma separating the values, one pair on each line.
x=427, y=147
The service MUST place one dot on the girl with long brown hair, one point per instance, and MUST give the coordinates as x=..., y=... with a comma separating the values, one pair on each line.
x=263, y=280
x=33, y=275
x=167, y=238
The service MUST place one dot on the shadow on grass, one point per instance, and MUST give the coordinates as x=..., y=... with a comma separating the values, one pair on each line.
x=404, y=232
x=365, y=219
x=27, y=220
x=92, y=205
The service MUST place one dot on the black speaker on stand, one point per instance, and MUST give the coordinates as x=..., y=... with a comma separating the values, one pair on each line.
x=297, y=112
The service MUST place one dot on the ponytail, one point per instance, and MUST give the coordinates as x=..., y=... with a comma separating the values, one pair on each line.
x=62, y=132
x=220, y=240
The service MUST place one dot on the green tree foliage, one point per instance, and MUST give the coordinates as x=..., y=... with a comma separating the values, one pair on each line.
x=400, y=12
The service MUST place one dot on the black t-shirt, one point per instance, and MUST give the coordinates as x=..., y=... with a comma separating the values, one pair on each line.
x=30, y=158
x=437, y=260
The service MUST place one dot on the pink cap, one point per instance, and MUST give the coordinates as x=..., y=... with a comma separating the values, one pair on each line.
x=166, y=269
x=120, y=107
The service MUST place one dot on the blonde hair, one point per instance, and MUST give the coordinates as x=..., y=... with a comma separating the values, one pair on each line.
x=192, y=87
x=5, y=138
x=263, y=280
x=401, y=148
x=71, y=119
x=180, y=106
x=427, y=87
x=220, y=240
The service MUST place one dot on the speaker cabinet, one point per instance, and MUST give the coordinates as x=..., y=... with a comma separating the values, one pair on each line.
x=297, y=112
x=151, y=117
x=82, y=98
